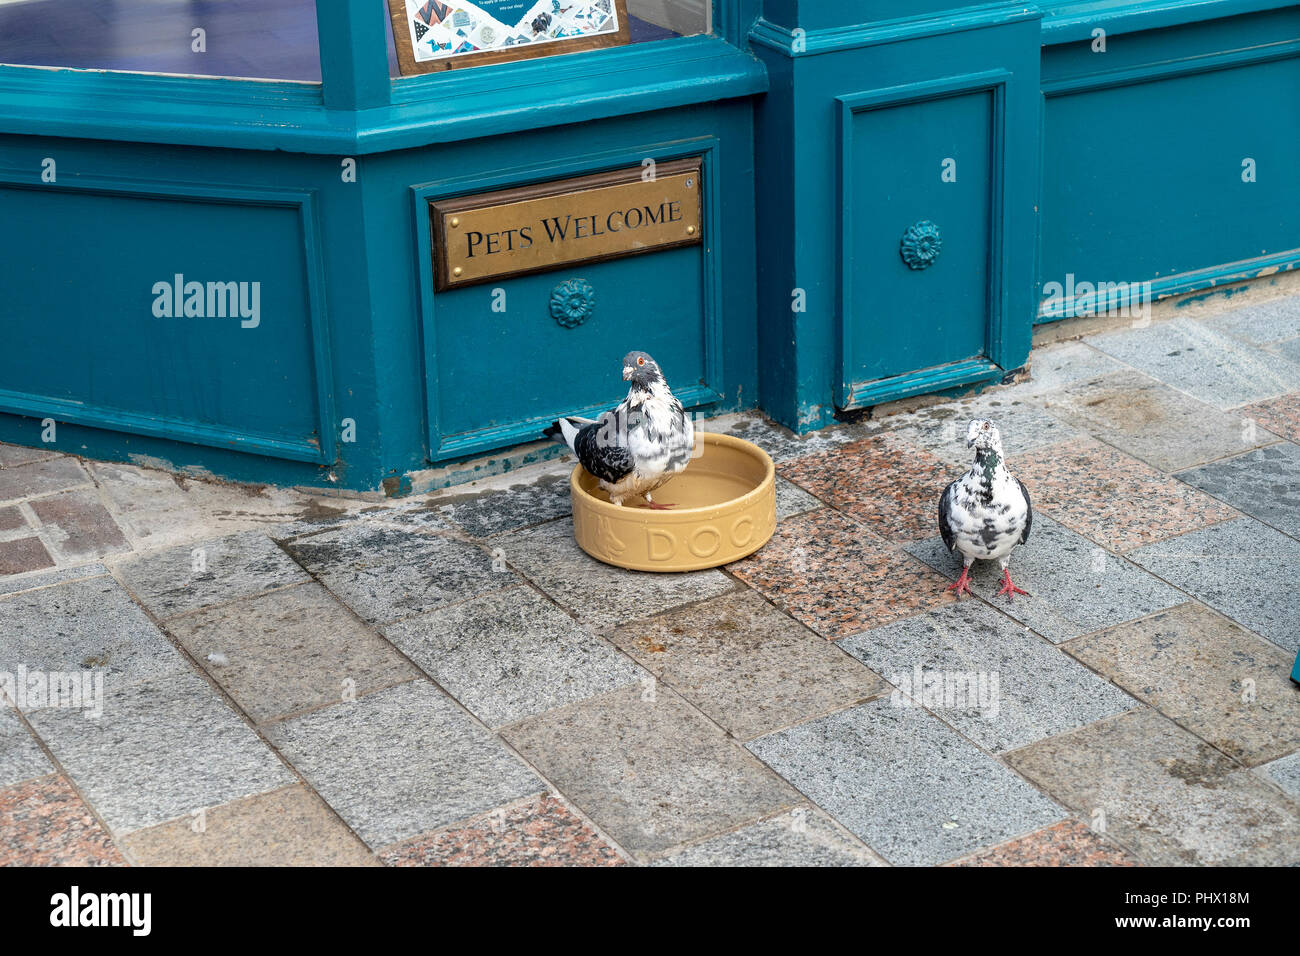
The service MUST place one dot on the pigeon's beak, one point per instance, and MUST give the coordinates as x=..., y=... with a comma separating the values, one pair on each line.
x=627, y=373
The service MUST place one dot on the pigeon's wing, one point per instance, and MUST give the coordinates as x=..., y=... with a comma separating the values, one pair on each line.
x=1029, y=512
x=945, y=516
x=600, y=449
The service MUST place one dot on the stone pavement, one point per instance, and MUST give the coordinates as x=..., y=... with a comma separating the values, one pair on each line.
x=264, y=676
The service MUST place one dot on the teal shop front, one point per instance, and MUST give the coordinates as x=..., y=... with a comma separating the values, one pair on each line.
x=234, y=274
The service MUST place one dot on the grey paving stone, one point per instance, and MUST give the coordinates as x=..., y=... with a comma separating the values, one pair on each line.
x=600, y=595
x=1285, y=772
x=792, y=500
x=1020, y=688
x=1061, y=364
x=1163, y=793
x=511, y=654
x=41, y=478
x=802, y=837
x=401, y=761
x=289, y=650
x=1289, y=350
x=190, y=577
x=1243, y=569
x=941, y=429
x=1151, y=421
x=44, y=579
x=1265, y=484
x=748, y=666
x=782, y=445
x=1218, y=369
x=1074, y=586
x=652, y=773
x=21, y=757
x=905, y=783
x=1260, y=324
x=84, y=627
x=507, y=509
x=386, y=573
x=20, y=454
x=162, y=749
x=1224, y=684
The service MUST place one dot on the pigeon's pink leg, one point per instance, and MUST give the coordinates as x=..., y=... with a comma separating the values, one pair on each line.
x=1009, y=589
x=962, y=584
x=656, y=506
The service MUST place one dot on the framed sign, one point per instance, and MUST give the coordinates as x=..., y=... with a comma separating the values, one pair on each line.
x=433, y=35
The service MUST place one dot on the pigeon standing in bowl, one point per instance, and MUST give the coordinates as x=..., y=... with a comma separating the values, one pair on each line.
x=636, y=447
x=986, y=512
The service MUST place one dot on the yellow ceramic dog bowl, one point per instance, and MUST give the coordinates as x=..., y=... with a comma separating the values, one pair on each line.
x=725, y=508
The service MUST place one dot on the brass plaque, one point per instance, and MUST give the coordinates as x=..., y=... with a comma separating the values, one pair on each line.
x=549, y=225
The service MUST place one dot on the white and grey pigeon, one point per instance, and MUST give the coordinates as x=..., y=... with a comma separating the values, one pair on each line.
x=986, y=512
x=636, y=447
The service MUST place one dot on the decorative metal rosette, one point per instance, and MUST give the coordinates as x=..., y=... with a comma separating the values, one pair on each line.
x=921, y=244
x=572, y=302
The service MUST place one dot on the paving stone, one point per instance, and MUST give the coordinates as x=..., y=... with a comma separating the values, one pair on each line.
x=402, y=761
x=1075, y=587
x=792, y=500
x=1166, y=795
x=835, y=576
x=79, y=526
x=1111, y=498
x=1070, y=843
x=21, y=757
x=1241, y=568
x=385, y=573
x=507, y=509
x=23, y=555
x=1260, y=324
x=1064, y=363
x=599, y=595
x=1221, y=682
x=1154, y=422
x=41, y=478
x=885, y=483
x=1281, y=415
x=43, y=579
x=536, y=831
x=288, y=651
x=747, y=665
x=20, y=454
x=89, y=628
x=995, y=681
x=44, y=823
x=162, y=749
x=1216, y=368
x=802, y=837
x=11, y=519
x=653, y=773
x=1265, y=484
x=905, y=783
x=782, y=445
x=1289, y=350
x=184, y=579
x=287, y=827
x=941, y=429
x=1285, y=772
x=509, y=655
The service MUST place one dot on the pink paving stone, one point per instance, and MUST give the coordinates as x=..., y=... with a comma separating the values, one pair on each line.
x=11, y=519
x=79, y=525
x=1281, y=416
x=25, y=554
x=20, y=455
x=44, y=823
x=1069, y=843
x=41, y=478
x=539, y=831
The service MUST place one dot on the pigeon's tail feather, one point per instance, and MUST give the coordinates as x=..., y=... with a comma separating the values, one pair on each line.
x=565, y=430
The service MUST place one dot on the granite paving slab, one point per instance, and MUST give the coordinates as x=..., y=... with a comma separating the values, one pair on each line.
x=511, y=654
x=11, y=455
x=45, y=579
x=11, y=519
x=24, y=554
x=1165, y=794
x=1289, y=350
x=402, y=761
x=289, y=650
x=836, y=577
x=748, y=666
x=1154, y=422
x=599, y=595
x=41, y=478
x=44, y=823
x=792, y=500
x=1285, y=773
x=782, y=445
x=1074, y=586
x=187, y=578
x=78, y=526
x=802, y=837
x=905, y=783
x=1112, y=498
x=1264, y=483
x=21, y=757
x=1063, y=363
x=1024, y=426
x=1280, y=416
x=1262, y=323
x=994, y=680
x=507, y=509
x=386, y=573
x=1224, y=684
x=1218, y=369
x=648, y=769
x=1070, y=843
x=1241, y=568
x=163, y=748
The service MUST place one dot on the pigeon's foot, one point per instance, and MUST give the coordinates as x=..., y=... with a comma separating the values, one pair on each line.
x=962, y=584
x=1009, y=589
x=658, y=506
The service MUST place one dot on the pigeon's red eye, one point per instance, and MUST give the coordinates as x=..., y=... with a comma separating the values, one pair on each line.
x=640, y=361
